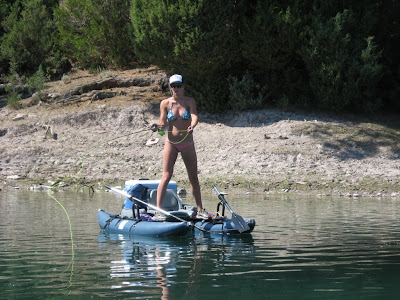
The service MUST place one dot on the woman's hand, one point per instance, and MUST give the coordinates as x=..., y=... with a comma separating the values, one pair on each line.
x=190, y=128
x=154, y=127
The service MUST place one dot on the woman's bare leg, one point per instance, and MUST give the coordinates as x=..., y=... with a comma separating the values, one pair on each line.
x=189, y=157
x=169, y=158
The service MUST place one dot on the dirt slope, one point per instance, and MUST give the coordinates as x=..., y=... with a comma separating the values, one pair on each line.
x=266, y=151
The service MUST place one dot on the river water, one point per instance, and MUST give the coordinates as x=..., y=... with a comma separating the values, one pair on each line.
x=301, y=248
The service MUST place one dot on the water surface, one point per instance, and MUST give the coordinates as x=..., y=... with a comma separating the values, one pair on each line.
x=300, y=248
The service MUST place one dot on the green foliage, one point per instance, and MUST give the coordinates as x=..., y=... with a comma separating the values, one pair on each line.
x=298, y=52
x=18, y=85
x=13, y=94
x=243, y=94
x=343, y=65
x=37, y=82
x=283, y=102
x=198, y=39
x=336, y=55
x=95, y=32
x=153, y=28
x=13, y=98
x=27, y=40
x=211, y=41
x=269, y=42
x=4, y=12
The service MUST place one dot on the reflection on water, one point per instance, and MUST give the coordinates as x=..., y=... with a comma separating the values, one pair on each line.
x=300, y=248
x=154, y=265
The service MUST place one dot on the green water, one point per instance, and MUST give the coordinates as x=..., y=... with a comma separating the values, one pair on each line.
x=301, y=248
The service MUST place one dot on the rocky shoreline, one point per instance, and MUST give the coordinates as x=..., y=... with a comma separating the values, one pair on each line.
x=91, y=140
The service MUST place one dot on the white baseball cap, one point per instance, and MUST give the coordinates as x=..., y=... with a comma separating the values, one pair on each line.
x=176, y=78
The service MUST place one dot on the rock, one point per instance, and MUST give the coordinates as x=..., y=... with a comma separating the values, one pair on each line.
x=49, y=133
x=38, y=187
x=301, y=182
x=53, y=96
x=3, y=89
x=66, y=79
x=3, y=132
x=19, y=117
x=152, y=141
x=13, y=177
x=108, y=84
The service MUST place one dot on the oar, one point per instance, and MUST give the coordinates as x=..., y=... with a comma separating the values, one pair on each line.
x=239, y=222
x=125, y=194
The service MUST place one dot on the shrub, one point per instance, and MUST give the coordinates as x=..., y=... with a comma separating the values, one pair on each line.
x=198, y=39
x=5, y=7
x=96, y=33
x=269, y=42
x=27, y=40
x=243, y=94
x=37, y=82
x=13, y=93
x=343, y=65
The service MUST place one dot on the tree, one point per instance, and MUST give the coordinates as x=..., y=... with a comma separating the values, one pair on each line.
x=198, y=39
x=27, y=39
x=96, y=33
x=343, y=64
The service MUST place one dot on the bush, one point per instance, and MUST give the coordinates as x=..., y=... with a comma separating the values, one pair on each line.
x=243, y=94
x=13, y=93
x=198, y=39
x=337, y=55
x=37, y=82
x=5, y=7
x=96, y=33
x=269, y=42
x=343, y=65
x=27, y=40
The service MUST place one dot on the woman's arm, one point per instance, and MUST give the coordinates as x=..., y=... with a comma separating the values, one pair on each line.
x=193, y=113
x=163, y=117
x=163, y=113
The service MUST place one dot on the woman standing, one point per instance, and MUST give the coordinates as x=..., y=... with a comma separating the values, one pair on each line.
x=179, y=114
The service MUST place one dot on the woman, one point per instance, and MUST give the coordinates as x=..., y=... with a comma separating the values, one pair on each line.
x=179, y=114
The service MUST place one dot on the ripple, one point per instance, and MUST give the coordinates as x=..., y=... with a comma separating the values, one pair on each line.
x=309, y=247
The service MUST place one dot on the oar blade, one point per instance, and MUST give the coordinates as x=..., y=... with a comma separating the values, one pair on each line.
x=240, y=223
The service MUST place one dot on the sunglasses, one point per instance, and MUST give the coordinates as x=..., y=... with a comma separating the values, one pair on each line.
x=177, y=86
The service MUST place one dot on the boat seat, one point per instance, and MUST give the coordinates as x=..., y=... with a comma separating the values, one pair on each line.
x=171, y=201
